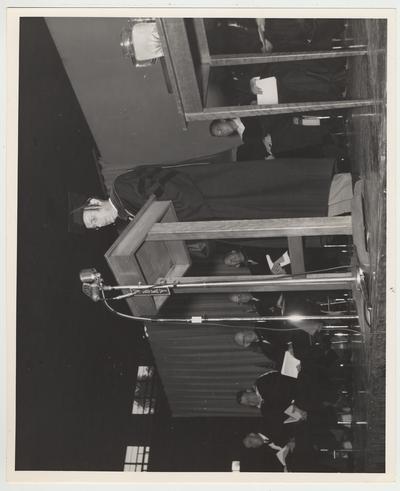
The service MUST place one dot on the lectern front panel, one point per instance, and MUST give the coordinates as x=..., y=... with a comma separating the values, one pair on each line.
x=133, y=259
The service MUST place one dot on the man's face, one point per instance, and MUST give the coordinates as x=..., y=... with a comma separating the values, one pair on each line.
x=98, y=216
x=253, y=440
x=245, y=338
x=234, y=258
x=250, y=398
x=240, y=298
x=223, y=128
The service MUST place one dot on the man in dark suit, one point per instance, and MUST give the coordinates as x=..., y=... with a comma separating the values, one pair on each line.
x=282, y=35
x=278, y=136
x=272, y=347
x=302, y=34
x=275, y=342
x=256, y=259
x=272, y=393
x=274, y=453
x=302, y=81
x=268, y=303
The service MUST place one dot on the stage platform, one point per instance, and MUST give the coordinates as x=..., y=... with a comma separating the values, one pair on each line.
x=366, y=130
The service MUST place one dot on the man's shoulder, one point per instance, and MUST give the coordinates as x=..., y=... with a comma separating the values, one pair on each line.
x=269, y=376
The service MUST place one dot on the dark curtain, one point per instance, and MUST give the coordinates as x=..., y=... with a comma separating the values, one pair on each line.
x=201, y=369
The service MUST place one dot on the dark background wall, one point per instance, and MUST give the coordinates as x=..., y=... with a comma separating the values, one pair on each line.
x=76, y=363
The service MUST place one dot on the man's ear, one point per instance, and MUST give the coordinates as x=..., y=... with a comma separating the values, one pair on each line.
x=237, y=265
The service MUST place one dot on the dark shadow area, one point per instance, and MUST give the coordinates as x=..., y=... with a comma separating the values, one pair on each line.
x=75, y=365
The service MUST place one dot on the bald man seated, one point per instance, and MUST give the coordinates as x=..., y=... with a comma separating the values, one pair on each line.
x=279, y=451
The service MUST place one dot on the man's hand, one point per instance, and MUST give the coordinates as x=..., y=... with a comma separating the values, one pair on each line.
x=303, y=414
x=261, y=24
x=267, y=140
x=267, y=46
x=253, y=87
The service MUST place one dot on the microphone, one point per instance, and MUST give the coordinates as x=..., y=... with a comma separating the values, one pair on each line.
x=91, y=283
x=89, y=275
x=92, y=290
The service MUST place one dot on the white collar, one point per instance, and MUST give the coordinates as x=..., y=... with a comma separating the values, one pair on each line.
x=260, y=399
x=130, y=215
x=239, y=126
x=112, y=204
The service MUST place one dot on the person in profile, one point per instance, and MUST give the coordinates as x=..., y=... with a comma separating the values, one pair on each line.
x=277, y=188
x=260, y=261
x=280, y=136
x=275, y=453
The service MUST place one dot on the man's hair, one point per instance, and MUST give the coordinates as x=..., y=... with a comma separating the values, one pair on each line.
x=239, y=251
x=235, y=337
x=239, y=395
x=246, y=436
x=212, y=126
x=214, y=123
x=77, y=204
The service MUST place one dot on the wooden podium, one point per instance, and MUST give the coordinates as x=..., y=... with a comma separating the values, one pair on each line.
x=134, y=259
x=152, y=250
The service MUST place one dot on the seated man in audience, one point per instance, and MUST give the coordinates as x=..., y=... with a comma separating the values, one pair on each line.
x=273, y=349
x=286, y=35
x=272, y=393
x=302, y=81
x=263, y=303
x=274, y=341
x=279, y=396
x=267, y=34
x=276, y=188
x=296, y=453
x=234, y=36
x=276, y=261
x=259, y=260
x=278, y=449
x=283, y=135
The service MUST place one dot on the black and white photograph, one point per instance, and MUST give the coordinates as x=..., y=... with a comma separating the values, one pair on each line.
x=201, y=208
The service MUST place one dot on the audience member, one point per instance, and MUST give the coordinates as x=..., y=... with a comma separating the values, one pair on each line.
x=278, y=136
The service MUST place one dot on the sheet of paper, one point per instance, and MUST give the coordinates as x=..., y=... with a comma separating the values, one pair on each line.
x=276, y=267
x=289, y=365
x=270, y=91
x=311, y=121
x=293, y=413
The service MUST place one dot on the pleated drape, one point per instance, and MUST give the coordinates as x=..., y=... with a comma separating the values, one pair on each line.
x=201, y=369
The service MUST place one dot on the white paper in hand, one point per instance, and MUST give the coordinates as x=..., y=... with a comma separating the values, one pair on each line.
x=269, y=91
x=294, y=414
x=289, y=365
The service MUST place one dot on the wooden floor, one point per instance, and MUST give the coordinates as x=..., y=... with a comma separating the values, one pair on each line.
x=367, y=146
